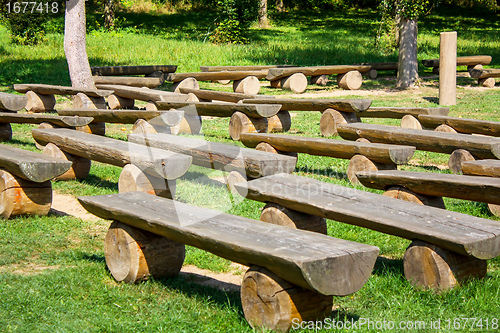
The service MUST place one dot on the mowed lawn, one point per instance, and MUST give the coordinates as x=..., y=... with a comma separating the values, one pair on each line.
x=53, y=275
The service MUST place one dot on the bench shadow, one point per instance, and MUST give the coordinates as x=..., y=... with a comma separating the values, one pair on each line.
x=432, y=99
x=387, y=266
x=100, y=259
x=99, y=182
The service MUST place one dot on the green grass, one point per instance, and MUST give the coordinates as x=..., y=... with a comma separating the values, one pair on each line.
x=53, y=275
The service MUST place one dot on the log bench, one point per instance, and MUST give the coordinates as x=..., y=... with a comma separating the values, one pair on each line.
x=486, y=77
x=447, y=247
x=232, y=97
x=472, y=62
x=375, y=67
x=132, y=81
x=12, y=102
x=144, y=168
x=362, y=156
x=292, y=276
x=25, y=187
x=428, y=188
x=7, y=118
x=486, y=168
x=295, y=78
x=462, y=147
x=459, y=125
x=148, y=70
x=41, y=96
x=246, y=82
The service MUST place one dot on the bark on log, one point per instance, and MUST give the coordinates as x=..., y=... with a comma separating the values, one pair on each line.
x=80, y=166
x=458, y=157
x=462, y=125
x=281, y=122
x=401, y=193
x=214, y=109
x=133, y=179
x=310, y=104
x=351, y=80
x=485, y=73
x=40, y=103
x=276, y=214
x=12, y=102
x=148, y=82
x=400, y=112
x=116, y=102
x=461, y=61
x=189, y=82
x=249, y=85
x=360, y=163
x=296, y=82
x=5, y=132
x=241, y=123
x=331, y=118
x=409, y=121
x=488, y=168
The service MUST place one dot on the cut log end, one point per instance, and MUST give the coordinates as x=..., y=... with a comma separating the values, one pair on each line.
x=296, y=82
x=249, y=85
x=331, y=118
x=5, y=132
x=82, y=101
x=241, y=123
x=134, y=255
x=488, y=82
x=264, y=146
x=275, y=84
x=457, y=158
x=409, y=121
x=188, y=125
x=401, y=193
x=445, y=128
x=320, y=80
x=119, y=103
x=80, y=166
x=98, y=128
x=40, y=103
x=44, y=126
x=494, y=209
x=372, y=74
x=189, y=82
x=269, y=302
x=133, y=179
x=360, y=163
x=351, y=80
x=431, y=267
x=235, y=177
x=280, y=122
x=276, y=214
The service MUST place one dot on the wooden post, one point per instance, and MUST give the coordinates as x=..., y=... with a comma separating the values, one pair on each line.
x=359, y=163
x=133, y=179
x=249, y=85
x=5, y=132
x=134, y=255
x=80, y=167
x=241, y=123
x=276, y=214
x=40, y=103
x=448, y=68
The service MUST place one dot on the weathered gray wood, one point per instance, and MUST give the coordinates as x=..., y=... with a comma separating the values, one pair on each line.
x=239, y=68
x=475, y=188
x=400, y=112
x=12, y=102
x=440, y=142
x=134, y=81
x=156, y=162
x=169, y=118
x=278, y=73
x=132, y=70
x=485, y=73
x=310, y=260
x=220, y=156
x=216, y=109
x=30, y=165
x=37, y=118
x=143, y=94
x=382, y=153
x=222, y=95
x=456, y=232
x=488, y=168
x=213, y=76
x=462, y=125
x=303, y=104
x=461, y=61
x=47, y=89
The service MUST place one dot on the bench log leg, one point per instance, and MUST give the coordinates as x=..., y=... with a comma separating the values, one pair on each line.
x=235, y=177
x=188, y=125
x=409, y=121
x=189, y=82
x=431, y=267
x=40, y=103
x=488, y=82
x=249, y=85
x=142, y=126
x=445, y=128
x=457, y=158
x=23, y=197
x=270, y=302
x=494, y=209
x=359, y=163
x=330, y=118
x=320, y=80
x=398, y=192
x=44, y=126
x=351, y=80
x=5, y=132
x=296, y=82
x=222, y=82
x=116, y=102
x=276, y=214
x=134, y=255
x=82, y=101
x=372, y=74
x=264, y=146
x=93, y=128
x=80, y=167
x=133, y=179
x=470, y=68
x=275, y=83
x=280, y=122
x=241, y=123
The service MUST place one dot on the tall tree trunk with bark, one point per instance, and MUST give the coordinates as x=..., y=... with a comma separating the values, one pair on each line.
x=109, y=14
x=407, y=63
x=263, y=22
x=74, y=45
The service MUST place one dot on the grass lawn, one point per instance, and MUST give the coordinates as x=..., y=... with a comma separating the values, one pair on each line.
x=53, y=276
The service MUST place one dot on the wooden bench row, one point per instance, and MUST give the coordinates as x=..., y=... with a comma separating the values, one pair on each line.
x=486, y=77
x=148, y=70
x=486, y=168
x=443, y=123
x=12, y=102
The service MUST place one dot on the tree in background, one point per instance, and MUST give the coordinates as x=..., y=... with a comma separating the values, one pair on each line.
x=234, y=19
x=109, y=14
x=263, y=22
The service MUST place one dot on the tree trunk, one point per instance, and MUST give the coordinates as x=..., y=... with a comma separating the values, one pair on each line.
x=407, y=65
x=109, y=14
x=74, y=45
x=263, y=22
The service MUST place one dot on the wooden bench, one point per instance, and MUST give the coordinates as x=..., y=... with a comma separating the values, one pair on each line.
x=295, y=78
x=472, y=62
x=446, y=248
x=486, y=77
x=429, y=188
x=144, y=169
x=375, y=67
x=148, y=70
x=25, y=187
x=240, y=68
x=12, y=102
x=486, y=168
x=210, y=95
x=459, y=125
x=293, y=274
x=362, y=156
x=132, y=81
x=41, y=96
x=462, y=147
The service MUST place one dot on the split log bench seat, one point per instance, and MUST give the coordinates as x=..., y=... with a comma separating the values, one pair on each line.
x=246, y=82
x=459, y=125
x=486, y=168
x=240, y=68
x=144, y=169
x=25, y=187
x=486, y=77
x=244, y=117
x=295, y=78
x=362, y=156
x=124, y=97
x=148, y=70
x=7, y=118
x=241, y=163
x=428, y=188
x=462, y=147
x=293, y=273
x=472, y=62
x=224, y=96
x=41, y=96
x=132, y=81
x=447, y=247
x=12, y=102
x=375, y=67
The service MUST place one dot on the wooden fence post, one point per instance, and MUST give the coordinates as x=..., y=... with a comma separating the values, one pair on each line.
x=448, y=68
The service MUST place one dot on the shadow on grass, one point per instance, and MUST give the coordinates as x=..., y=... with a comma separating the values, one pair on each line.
x=100, y=259
x=328, y=172
x=50, y=71
x=99, y=182
x=386, y=266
